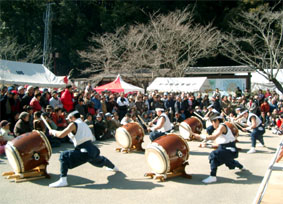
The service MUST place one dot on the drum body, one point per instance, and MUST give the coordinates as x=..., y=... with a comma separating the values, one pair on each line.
x=28, y=151
x=129, y=135
x=189, y=126
x=167, y=153
x=233, y=128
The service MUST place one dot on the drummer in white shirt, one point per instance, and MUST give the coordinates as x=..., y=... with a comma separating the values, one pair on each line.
x=85, y=150
x=163, y=125
x=226, y=151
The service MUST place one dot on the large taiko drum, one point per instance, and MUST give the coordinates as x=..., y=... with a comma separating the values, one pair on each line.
x=167, y=153
x=130, y=135
x=189, y=126
x=28, y=151
x=233, y=128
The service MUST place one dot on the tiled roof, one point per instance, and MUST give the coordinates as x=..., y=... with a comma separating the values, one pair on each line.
x=219, y=70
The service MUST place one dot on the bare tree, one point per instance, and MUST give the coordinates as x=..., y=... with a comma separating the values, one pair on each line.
x=257, y=42
x=168, y=42
x=10, y=50
x=105, y=52
x=180, y=42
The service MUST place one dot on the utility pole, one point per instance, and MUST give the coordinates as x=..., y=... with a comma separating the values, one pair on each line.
x=47, y=34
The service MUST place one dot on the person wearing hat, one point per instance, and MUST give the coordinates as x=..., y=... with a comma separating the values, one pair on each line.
x=226, y=151
x=110, y=126
x=21, y=91
x=85, y=151
x=28, y=96
x=22, y=126
x=162, y=126
x=208, y=124
x=257, y=130
x=99, y=127
x=55, y=101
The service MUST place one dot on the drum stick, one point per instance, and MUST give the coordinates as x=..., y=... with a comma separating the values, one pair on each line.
x=142, y=121
x=240, y=127
x=198, y=115
x=155, y=119
x=45, y=122
x=225, y=115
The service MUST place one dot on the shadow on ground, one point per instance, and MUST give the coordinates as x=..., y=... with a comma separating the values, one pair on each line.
x=116, y=181
x=244, y=177
x=200, y=153
x=119, y=181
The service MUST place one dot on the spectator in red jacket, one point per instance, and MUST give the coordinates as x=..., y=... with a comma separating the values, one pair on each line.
x=59, y=118
x=264, y=107
x=67, y=99
x=34, y=103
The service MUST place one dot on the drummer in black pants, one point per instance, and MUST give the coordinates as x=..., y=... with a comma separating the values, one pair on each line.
x=226, y=151
x=85, y=150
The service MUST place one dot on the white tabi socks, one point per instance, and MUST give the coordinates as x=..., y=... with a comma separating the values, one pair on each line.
x=62, y=182
x=115, y=169
x=251, y=151
x=210, y=179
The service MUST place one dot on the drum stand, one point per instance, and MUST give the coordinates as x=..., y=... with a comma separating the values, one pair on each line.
x=176, y=172
x=36, y=173
x=128, y=150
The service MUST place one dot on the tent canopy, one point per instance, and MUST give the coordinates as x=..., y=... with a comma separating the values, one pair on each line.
x=260, y=82
x=178, y=84
x=119, y=85
x=22, y=73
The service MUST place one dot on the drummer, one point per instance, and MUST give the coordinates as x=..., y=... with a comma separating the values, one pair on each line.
x=226, y=151
x=163, y=125
x=85, y=150
x=254, y=124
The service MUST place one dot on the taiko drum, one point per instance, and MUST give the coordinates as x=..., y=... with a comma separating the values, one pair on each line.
x=167, y=153
x=130, y=135
x=189, y=126
x=28, y=151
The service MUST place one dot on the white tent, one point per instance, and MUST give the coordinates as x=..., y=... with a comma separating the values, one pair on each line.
x=260, y=82
x=22, y=73
x=178, y=84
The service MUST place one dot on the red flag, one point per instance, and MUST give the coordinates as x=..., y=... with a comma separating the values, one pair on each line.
x=66, y=80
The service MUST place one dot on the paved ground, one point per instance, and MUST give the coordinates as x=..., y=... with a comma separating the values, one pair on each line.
x=89, y=184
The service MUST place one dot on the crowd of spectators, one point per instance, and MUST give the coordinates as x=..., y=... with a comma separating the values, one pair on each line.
x=22, y=106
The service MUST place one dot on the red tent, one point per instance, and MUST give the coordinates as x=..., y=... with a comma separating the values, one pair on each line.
x=119, y=85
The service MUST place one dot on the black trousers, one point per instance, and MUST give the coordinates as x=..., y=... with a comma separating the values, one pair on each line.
x=86, y=152
x=224, y=155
